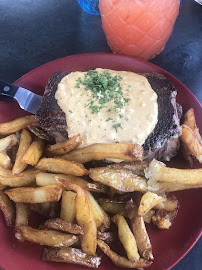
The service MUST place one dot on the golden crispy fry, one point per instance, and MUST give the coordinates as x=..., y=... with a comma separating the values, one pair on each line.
x=34, y=152
x=101, y=218
x=60, y=225
x=139, y=231
x=136, y=167
x=148, y=216
x=7, y=142
x=164, y=219
x=44, y=179
x=22, y=179
x=191, y=144
x=126, y=237
x=190, y=121
x=5, y=161
x=170, y=204
x=8, y=209
x=71, y=255
x=25, y=141
x=108, y=237
x=170, y=187
x=191, y=138
x=59, y=165
x=35, y=195
x=45, y=237
x=113, y=207
x=22, y=213
x=121, y=261
x=63, y=148
x=99, y=151
x=158, y=172
x=2, y=186
x=47, y=209
x=148, y=201
x=84, y=217
x=119, y=179
x=68, y=206
x=17, y=124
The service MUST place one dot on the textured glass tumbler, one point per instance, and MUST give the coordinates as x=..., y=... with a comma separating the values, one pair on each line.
x=90, y=6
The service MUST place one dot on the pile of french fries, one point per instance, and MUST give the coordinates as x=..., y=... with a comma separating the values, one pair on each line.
x=80, y=203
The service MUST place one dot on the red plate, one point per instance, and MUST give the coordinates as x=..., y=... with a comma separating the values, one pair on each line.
x=169, y=246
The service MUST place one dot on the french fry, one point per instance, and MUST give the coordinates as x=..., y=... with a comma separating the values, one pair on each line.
x=63, y=148
x=47, y=209
x=5, y=161
x=164, y=219
x=60, y=225
x=170, y=204
x=108, y=237
x=99, y=151
x=122, y=261
x=7, y=142
x=148, y=216
x=191, y=144
x=22, y=179
x=136, y=167
x=8, y=209
x=22, y=214
x=68, y=206
x=116, y=207
x=102, y=220
x=190, y=121
x=35, y=195
x=148, y=201
x=119, y=179
x=45, y=237
x=139, y=231
x=84, y=217
x=71, y=255
x=17, y=124
x=44, y=179
x=126, y=237
x=113, y=207
x=170, y=187
x=2, y=186
x=34, y=152
x=25, y=141
x=59, y=165
x=158, y=172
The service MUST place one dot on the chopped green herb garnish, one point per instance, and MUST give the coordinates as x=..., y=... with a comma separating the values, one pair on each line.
x=13, y=246
x=120, y=115
x=77, y=85
x=108, y=119
x=70, y=111
x=116, y=126
x=104, y=88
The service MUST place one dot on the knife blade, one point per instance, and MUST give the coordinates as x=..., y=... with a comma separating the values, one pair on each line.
x=27, y=100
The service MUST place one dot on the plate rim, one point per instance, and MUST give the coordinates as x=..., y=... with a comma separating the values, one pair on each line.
x=100, y=54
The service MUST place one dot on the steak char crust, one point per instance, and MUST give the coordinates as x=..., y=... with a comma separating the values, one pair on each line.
x=49, y=116
x=161, y=144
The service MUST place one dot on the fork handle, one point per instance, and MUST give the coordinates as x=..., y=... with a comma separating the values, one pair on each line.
x=7, y=91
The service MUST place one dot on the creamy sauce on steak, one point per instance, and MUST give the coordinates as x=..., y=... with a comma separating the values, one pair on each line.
x=107, y=106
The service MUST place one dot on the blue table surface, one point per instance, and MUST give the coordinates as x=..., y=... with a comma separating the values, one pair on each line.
x=35, y=32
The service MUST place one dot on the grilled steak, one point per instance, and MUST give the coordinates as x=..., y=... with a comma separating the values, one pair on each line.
x=50, y=117
x=161, y=144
